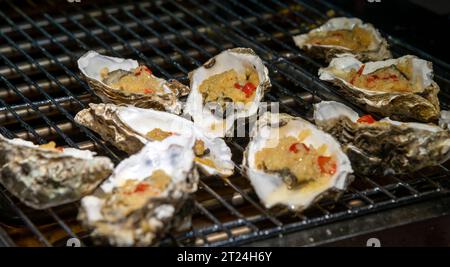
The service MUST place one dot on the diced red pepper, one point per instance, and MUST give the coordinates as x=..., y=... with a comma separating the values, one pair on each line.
x=372, y=78
x=293, y=147
x=141, y=187
x=358, y=73
x=146, y=69
x=248, y=88
x=366, y=119
x=325, y=164
x=149, y=91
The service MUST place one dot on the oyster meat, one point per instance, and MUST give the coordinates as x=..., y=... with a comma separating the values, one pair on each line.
x=227, y=87
x=130, y=128
x=340, y=36
x=147, y=195
x=124, y=81
x=292, y=163
x=46, y=176
x=386, y=146
x=402, y=88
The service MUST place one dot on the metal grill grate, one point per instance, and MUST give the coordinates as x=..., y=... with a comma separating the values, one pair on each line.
x=41, y=91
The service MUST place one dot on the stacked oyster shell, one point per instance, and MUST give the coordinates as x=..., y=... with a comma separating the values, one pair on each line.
x=384, y=147
x=378, y=48
x=147, y=195
x=91, y=66
x=43, y=178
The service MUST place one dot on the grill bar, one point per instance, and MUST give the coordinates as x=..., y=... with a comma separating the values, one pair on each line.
x=41, y=91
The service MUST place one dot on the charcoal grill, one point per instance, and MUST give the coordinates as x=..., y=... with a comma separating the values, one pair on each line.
x=41, y=91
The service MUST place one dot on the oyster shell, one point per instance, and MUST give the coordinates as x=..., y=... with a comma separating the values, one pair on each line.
x=93, y=64
x=376, y=48
x=385, y=147
x=214, y=116
x=147, y=195
x=128, y=127
x=418, y=101
x=444, y=120
x=46, y=177
x=274, y=186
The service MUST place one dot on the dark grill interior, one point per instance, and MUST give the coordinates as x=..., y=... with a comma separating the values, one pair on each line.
x=41, y=91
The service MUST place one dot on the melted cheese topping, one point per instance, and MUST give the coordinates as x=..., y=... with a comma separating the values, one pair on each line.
x=134, y=194
x=139, y=81
x=51, y=146
x=395, y=78
x=356, y=39
x=229, y=86
x=205, y=161
x=158, y=135
x=199, y=148
x=296, y=161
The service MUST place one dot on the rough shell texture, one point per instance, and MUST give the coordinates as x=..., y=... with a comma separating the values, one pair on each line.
x=144, y=224
x=268, y=186
x=384, y=148
x=444, y=120
x=42, y=178
x=238, y=59
x=420, y=106
x=378, y=50
x=126, y=128
x=90, y=65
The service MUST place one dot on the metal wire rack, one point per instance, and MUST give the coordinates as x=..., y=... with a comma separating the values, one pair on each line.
x=41, y=91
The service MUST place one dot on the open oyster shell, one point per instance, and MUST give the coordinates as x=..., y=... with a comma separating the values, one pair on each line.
x=385, y=147
x=147, y=195
x=127, y=128
x=271, y=187
x=378, y=48
x=43, y=178
x=237, y=59
x=91, y=65
x=421, y=105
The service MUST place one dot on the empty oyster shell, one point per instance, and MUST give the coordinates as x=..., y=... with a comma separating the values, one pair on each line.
x=104, y=75
x=292, y=163
x=129, y=128
x=402, y=88
x=45, y=176
x=227, y=87
x=384, y=147
x=342, y=36
x=147, y=195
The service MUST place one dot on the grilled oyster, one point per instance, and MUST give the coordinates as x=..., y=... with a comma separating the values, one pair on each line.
x=292, y=163
x=342, y=36
x=227, y=87
x=402, y=88
x=47, y=176
x=129, y=128
x=147, y=195
x=386, y=146
x=124, y=81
